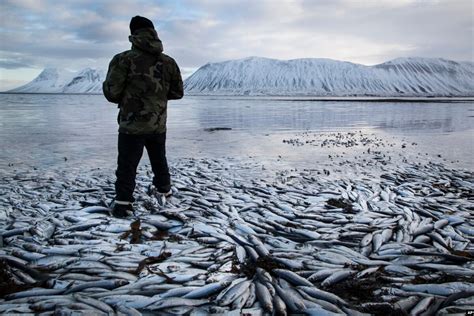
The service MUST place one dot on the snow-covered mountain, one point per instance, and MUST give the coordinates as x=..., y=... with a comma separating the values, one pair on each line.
x=52, y=80
x=308, y=76
x=326, y=77
x=86, y=81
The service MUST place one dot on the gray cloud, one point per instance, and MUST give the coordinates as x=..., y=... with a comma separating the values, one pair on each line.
x=12, y=64
x=361, y=31
x=76, y=34
x=13, y=61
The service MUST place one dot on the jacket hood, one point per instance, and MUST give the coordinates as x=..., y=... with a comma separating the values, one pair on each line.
x=146, y=40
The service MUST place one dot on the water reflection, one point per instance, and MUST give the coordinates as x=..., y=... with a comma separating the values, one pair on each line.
x=43, y=129
x=263, y=115
x=435, y=125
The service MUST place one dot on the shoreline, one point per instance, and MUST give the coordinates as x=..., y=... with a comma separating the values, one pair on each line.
x=297, y=98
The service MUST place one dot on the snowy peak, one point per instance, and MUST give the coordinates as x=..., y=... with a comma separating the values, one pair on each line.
x=326, y=77
x=87, y=81
x=47, y=74
x=50, y=80
x=426, y=65
x=412, y=76
x=53, y=80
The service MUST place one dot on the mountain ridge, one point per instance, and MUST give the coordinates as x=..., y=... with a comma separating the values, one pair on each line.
x=53, y=80
x=405, y=76
x=318, y=77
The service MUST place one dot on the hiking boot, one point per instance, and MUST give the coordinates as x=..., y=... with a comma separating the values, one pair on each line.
x=122, y=209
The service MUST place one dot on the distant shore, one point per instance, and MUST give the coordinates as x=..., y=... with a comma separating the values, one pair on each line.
x=304, y=98
x=344, y=98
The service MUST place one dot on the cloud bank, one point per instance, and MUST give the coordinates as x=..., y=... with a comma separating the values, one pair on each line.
x=77, y=34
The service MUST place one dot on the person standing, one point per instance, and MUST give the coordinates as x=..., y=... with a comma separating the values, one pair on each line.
x=141, y=81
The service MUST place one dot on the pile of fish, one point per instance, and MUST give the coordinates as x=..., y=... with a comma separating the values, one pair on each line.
x=299, y=243
x=343, y=139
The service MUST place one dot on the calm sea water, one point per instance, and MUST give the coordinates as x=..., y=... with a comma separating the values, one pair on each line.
x=81, y=130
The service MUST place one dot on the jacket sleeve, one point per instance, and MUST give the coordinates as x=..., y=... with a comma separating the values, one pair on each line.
x=176, y=83
x=115, y=82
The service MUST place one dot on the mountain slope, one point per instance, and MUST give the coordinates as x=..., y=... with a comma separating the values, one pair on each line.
x=52, y=80
x=87, y=81
x=326, y=77
x=309, y=76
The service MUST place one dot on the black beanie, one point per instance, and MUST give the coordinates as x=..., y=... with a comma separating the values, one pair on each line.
x=139, y=22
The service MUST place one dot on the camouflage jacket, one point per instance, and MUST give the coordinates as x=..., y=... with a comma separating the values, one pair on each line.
x=141, y=81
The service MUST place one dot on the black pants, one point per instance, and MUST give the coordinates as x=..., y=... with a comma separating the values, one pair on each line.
x=130, y=151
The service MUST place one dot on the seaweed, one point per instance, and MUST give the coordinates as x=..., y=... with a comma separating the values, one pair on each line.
x=135, y=232
x=443, y=278
x=340, y=203
x=249, y=268
x=8, y=284
x=359, y=290
x=160, y=235
x=152, y=260
x=214, y=129
x=164, y=235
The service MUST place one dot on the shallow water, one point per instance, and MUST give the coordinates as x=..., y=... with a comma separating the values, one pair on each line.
x=81, y=130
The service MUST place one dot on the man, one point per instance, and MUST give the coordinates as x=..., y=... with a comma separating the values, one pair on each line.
x=141, y=81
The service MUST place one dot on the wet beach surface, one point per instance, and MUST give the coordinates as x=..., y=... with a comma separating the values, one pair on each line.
x=289, y=208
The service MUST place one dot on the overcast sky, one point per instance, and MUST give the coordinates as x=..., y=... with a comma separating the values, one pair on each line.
x=86, y=33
